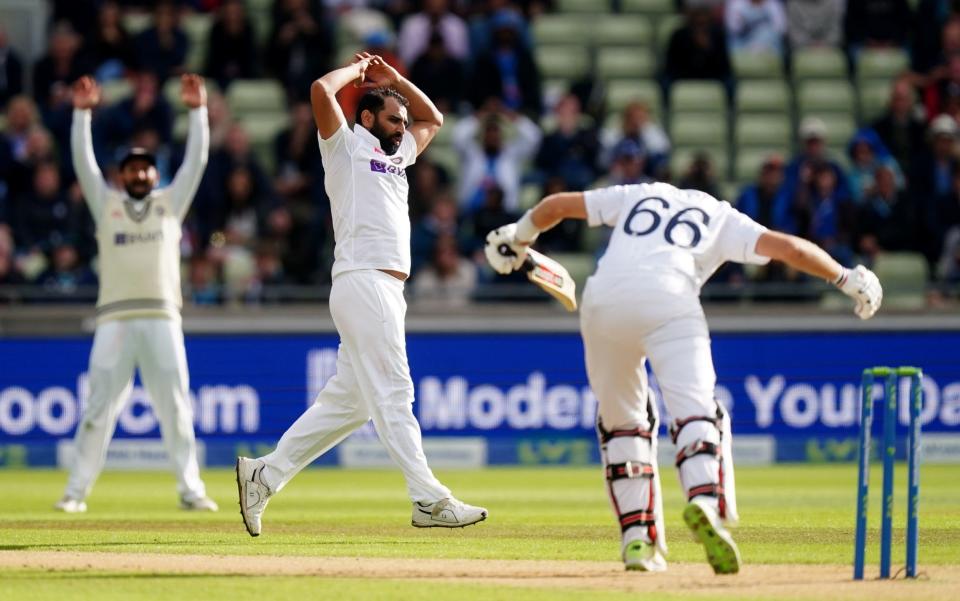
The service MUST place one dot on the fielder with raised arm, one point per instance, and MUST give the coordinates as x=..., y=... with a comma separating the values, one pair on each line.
x=643, y=302
x=367, y=185
x=138, y=309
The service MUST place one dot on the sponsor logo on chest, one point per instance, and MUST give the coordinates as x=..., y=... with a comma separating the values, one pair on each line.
x=127, y=239
x=378, y=166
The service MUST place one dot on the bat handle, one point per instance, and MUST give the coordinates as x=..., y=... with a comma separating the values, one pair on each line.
x=506, y=251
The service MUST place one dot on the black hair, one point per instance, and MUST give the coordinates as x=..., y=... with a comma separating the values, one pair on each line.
x=374, y=101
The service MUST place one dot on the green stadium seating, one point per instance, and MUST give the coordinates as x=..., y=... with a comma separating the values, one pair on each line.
x=819, y=63
x=530, y=195
x=114, y=91
x=446, y=157
x=874, y=99
x=262, y=128
x=579, y=265
x=567, y=61
x=749, y=160
x=622, y=92
x=659, y=8
x=904, y=278
x=840, y=128
x=625, y=30
x=697, y=130
x=197, y=28
x=763, y=131
x=171, y=91
x=256, y=96
x=665, y=28
x=615, y=62
x=729, y=191
x=579, y=6
x=753, y=65
x=825, y=96
x=698, y=96
x=562, y=29
x=881, y=63
x=444, y=137
x=680, y=159
x=134, y=23
x=762, y=96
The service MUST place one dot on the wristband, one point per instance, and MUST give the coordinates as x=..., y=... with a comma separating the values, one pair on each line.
x=842, y=278
x=526, y=231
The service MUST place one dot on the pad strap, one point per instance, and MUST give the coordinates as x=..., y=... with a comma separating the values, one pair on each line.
x=679, y=424
x=709, y=490
x=641, y=517
x=698, y=447
x=607, y=436
x=630, y=469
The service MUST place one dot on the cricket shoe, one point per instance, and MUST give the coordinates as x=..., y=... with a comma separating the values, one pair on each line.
x=198, y=504
x=446, y=513
x=640, y=556
x=254, y=494
x=70, y=505
x=722, y=553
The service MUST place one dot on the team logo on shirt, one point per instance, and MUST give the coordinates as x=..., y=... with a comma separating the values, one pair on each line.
x=396, y=160
x=381, y=167
x=161, y=212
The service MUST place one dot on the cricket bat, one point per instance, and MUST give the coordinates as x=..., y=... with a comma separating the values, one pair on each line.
x=549, y=275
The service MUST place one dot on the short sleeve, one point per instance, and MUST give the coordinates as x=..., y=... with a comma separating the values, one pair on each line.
x=342, y=140
x=604, y=205
x=408, y=149
x=738, y=237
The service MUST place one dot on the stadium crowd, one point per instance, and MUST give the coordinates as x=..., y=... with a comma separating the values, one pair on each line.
x=257, y=225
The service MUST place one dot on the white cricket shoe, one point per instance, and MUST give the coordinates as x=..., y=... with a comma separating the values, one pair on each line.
x=722, y=553
x=198, y=504
x=641, y=556
x=446, y=513
x=70, y=505
x=254, y=494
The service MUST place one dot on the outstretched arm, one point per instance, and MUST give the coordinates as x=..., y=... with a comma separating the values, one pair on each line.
x=187, y=180
x=518, y=236
x=86, y=95
x=323, y=95
x=426, y=117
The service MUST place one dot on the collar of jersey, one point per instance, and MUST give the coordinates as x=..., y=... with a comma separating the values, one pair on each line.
x=368, y=137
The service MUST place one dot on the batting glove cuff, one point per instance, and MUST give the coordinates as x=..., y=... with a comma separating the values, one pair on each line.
x=527, y=232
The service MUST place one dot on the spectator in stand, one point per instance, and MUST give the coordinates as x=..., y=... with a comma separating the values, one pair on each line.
x=301, y=46
x=246, y=210
x=821, y=211
x=886, y=220
x=637, y=126
x=930, y=32
x=427, y=180
x=81, y=14
x=571, y=150
x=67, y=274
x=218, y=114
x=700, y=176
x=449, y=280
x=205, y=287
x=440, y=221
x=11, y=70
x=435, y=18
x=507, y=70
x=162, y=48
x=110, y=50
x=297, y=154
x=867, y=155
x=481, y=24
x=933, y=179
x=489, y=216
x=57, y=70
x=627, y=166
x=145, y=109
x=231, y=46
x=9, y=274
x=46, y=217
x=763, y=201
x=20, y=147
x=755, y=26
x=942, y=95
x=902, y=128
x=439, y=75
x=698, y=49
x=493, y=161
x=948, y=264
x=813, y=152
x=815, y=23
x=877, y=24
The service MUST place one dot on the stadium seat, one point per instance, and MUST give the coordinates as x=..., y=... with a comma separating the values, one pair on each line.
x=256, y=96
x=763, y=97
x=197, y=28
x=577, y=6
x=567, y=61
x=904, y=278
x=881, y=63
x=698, y=96
x=763, y=131
x=446, y=157
x=681, y=158
x=626, y=30
x=658, y=8
x=262, y=128
x=697, y=129
x=530, y=195
x=171, y=91
x=561, y=29
x=134, y=23
x=747, y=167
x=115, y=90
x=819, y=63
x=625, y=62
x=825, y=96
x=840, y=128
x=579, y=265
x=874, y=99
x=622, y=92
x=729, y=191
x=755, y=65
x=665, y=28
x=444, y=136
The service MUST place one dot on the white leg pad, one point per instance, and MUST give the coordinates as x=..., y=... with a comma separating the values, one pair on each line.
x=699, y=469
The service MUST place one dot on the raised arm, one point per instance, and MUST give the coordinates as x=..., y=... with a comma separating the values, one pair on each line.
x=323, y=95
x=425, y=116
x=859, y=283
x=86, y=95
x=187, y=180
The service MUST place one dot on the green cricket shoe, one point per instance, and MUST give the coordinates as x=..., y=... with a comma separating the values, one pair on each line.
x=722, y=553
x=640, y=556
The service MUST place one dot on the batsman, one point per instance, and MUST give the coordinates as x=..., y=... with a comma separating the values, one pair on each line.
x=643, y=303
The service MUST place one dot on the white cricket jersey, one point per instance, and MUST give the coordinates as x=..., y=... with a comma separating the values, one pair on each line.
x=138, y=241
x=368, y=199
x=660, y=228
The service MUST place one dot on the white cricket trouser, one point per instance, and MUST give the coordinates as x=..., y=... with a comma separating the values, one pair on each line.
x=655, y=316
x=372, y=381
x=155, y=346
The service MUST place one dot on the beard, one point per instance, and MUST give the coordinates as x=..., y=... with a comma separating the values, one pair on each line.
x=389, y=143
x=138, y=190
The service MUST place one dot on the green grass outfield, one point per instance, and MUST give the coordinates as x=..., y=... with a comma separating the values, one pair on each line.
x=790, y=514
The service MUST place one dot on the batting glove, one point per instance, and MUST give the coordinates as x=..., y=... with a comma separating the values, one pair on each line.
x=862, y=286
x=502, y=250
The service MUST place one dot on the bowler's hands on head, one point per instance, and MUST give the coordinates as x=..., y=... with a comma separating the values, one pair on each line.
x=362, y=61
x=86, y=93
x=863, y=286
x=379, y=74
x=193, y=92
x=502, y=250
